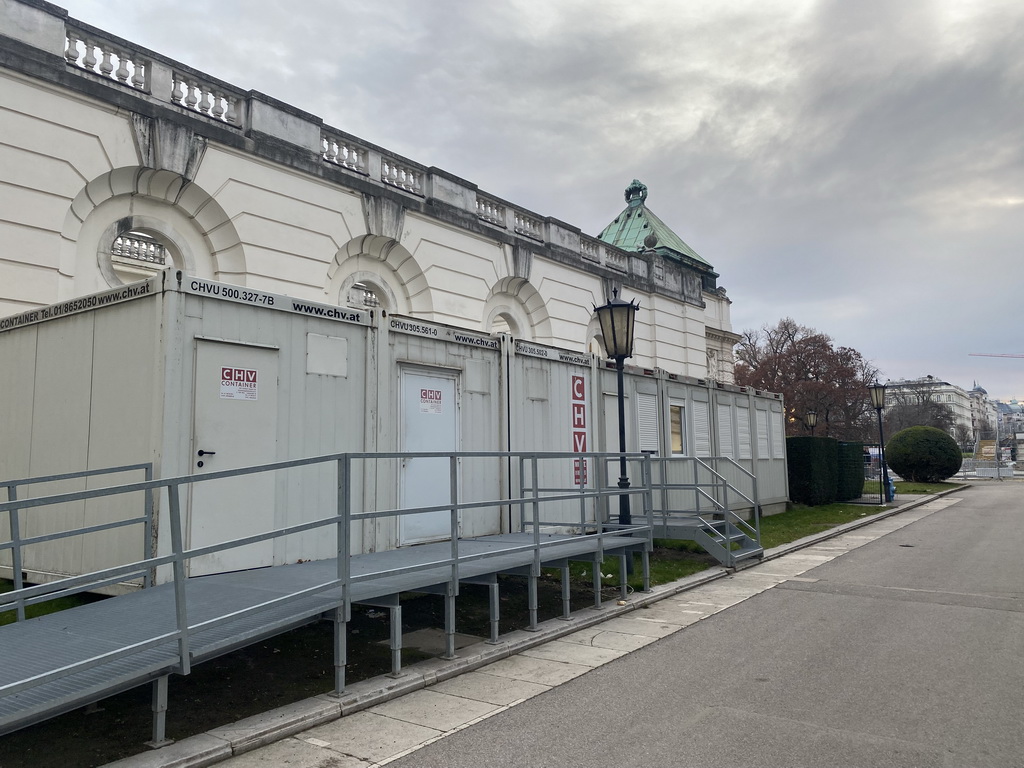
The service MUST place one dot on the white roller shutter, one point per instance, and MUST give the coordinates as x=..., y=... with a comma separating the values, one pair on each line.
x=701, y=429
x=743, y=432
x=726, y=446
x=647, y=422
x=762, y=434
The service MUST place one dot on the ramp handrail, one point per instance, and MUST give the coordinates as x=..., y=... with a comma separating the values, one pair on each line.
x=718, y=483
x=17, y=542
x=533, y=499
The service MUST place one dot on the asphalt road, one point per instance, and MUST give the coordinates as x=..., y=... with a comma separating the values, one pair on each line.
x=907, y=651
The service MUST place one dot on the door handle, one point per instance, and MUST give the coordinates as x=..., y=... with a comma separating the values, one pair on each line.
x=207, y=453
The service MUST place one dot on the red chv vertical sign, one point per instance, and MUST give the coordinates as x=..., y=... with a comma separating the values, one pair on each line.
x=579, y=428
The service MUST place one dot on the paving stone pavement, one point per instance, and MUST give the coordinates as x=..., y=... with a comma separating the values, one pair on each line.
x=315, y=737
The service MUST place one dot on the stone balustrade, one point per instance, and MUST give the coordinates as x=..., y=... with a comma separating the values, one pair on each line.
x=599, y=252
x=528, y=226
x=491, y=211
x=116, y=61
x=105, y=58
x=345, y=152
x=128, y=247
x=194, y=94
x=402, y=175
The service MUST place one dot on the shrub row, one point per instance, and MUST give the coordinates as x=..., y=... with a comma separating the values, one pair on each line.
x=823, y=470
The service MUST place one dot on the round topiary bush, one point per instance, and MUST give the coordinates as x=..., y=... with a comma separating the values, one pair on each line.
x=923, y=454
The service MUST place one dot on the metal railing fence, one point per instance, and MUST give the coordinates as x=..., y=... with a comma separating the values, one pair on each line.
x=17, y=541
x=533, y=502
x=687, y=484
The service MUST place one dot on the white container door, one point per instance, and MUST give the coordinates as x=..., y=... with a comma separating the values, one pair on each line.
x=429, y=423
x=235, y=412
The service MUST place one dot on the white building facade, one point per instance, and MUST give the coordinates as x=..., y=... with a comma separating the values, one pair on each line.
x=118, y=162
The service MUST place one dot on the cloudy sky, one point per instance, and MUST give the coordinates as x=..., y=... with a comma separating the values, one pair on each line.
x=856, y=165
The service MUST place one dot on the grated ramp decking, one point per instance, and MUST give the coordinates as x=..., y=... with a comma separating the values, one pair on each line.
x=48, y=643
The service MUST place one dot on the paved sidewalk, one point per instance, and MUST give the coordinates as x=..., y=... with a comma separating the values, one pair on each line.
x=380, y=720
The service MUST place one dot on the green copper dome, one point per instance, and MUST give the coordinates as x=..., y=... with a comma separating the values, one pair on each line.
x=638, y=229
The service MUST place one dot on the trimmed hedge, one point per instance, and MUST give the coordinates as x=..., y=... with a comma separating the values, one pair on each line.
x=813, y=469
x=850, y=483
x=923, y=454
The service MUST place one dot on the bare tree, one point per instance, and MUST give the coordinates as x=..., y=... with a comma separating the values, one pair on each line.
x=812, y=374
x=964, y=436
x=917, y=407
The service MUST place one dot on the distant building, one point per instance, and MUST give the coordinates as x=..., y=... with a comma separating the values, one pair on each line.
x=1011, y=417
x=971, y=410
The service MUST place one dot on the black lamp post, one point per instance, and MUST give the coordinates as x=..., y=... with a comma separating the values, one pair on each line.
x=878, y=403
x=616, y=319
x=811, y=420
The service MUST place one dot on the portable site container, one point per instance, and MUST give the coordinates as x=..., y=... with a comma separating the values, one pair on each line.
x=438, y=389
x=565, y=400
x=191, y=376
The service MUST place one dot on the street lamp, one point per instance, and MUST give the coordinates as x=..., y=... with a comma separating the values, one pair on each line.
x=616, y=319
x=811, y=420
x=878, y=403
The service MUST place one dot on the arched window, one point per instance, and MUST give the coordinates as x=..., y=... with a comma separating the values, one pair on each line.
x=367, y=291
x=504, y=324
x=136, y=248
x=362, y=296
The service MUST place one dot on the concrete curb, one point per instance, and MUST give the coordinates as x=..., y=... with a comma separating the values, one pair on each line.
x=251, y=733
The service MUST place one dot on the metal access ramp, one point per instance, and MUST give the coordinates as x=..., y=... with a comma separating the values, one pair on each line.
x=694, y=500
x=61, y=661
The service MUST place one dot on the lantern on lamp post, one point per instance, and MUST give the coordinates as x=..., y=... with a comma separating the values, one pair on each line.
x=878, y=403
x=811, y=420
x=616, y=319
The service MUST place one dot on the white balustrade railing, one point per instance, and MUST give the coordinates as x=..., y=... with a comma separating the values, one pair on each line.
x=115, y=61
x=104, y=58
x=127, y=247
x=528, y=226
x=615, y=260
x=399, y=175
x=490, y=211
x=191, y=93
x=343, y=152
x=590, y=250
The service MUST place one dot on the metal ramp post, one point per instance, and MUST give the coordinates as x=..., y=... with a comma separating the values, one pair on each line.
x=342, y=614
x=624, y=573
x=396, y=638
x=490, y=581
x=392, y=603
x=452, y=589
x=449, y=623
x=566, y=593
x=149, y=549
x=16, y=572
x=160, y=714
x=532, y=599
x=535, y=567
x=180, y=605
x=340, y=649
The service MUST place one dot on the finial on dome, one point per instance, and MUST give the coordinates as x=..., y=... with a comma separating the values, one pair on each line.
x=636, y=193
